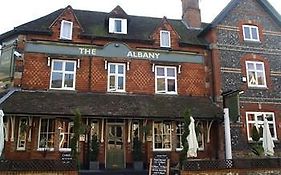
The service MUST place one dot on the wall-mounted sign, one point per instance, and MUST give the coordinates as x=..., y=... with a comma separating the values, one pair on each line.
x=116, y=50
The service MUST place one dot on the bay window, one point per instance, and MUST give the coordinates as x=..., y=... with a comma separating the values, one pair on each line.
x=46, y=135
x=162, y=136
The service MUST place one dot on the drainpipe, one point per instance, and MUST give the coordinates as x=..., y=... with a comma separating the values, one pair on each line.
x=228, y=150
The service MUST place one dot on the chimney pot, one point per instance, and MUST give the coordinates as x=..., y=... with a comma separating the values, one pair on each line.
x=191, y=13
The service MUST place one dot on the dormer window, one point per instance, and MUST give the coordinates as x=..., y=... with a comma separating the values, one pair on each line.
x=165, y=39
x=251, y=33
x=66, y=30
x=118, y=25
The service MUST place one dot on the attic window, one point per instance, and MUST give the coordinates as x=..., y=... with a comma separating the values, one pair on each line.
x=251, y=33
x=118, y=25
x=66, y=30
x=165, y=39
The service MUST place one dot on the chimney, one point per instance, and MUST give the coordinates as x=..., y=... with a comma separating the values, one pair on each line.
x=191, y=13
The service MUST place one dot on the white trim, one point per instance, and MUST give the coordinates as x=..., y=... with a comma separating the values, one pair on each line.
x=62, y=34
x=12, y=120
x=256, y=122
x=116, y=76
x=25, y=134
x=166, y=77
x=112, y=28
x=63, y=72
x=251, y=27
x=162, y=32
x=255, y=71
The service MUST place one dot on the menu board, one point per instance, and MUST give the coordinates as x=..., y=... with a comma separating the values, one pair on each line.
x=66, y=157
x=159, y=165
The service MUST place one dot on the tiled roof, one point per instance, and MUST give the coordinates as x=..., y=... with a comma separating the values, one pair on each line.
x=107, y=105
x=95, y=24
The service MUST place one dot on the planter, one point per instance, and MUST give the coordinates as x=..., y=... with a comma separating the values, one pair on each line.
x=138, y=165
x=94, y=165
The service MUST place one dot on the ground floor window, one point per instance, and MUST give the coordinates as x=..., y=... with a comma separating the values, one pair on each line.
x=257, y=119
x=46, y=134
x=162, y=135
x=22, y=132
x=65, y=134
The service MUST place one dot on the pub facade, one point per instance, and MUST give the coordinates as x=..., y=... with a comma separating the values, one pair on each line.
x=128, y=76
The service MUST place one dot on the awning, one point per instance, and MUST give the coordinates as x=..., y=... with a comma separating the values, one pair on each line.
x=54, y=103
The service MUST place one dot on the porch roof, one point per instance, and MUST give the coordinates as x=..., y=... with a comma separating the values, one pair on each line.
x=46, y=103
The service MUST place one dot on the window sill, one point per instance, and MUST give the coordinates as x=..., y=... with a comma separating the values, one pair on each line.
x=45, y=149
x=162, y=150
x=252, y=41
x=258, y=88
x=64, y=149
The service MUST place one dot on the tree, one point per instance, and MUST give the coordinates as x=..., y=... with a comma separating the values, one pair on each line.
x=186, y=131
x=95, y=144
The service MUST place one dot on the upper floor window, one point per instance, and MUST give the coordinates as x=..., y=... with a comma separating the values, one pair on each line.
x=118, y=25
x=46, y=134
x=162, y=136
x=257, y=119
x=251, y=33
x=165, y=39
x=255, y=74
x=63, y=74
x=166, y=79
x=116, y=77
x=66, y=30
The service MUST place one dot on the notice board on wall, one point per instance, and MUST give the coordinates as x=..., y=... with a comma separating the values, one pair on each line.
x=159, y=165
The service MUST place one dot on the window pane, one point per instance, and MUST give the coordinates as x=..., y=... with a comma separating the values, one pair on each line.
x=120, y=83
x=252, y=78
x=118, y=26
x=112, y=82
x=57, y=65
x=68, y=80
x=171, y=85
x=247, y=33
x=160, y=84
x=51, y=125
x=43, y=140
x=111, y=68
x=261, y=78
x=171, y=72
x=56, y=80
x=120, y=69
x=259, y=66
x=254, y=33
x=165, y=38
x=160, y=71
x=69, y=66
x=251, y=66
x=66, y=29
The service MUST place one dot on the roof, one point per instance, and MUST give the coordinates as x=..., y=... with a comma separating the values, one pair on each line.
x=232, y=4
x=95, y=25
x=108, y=105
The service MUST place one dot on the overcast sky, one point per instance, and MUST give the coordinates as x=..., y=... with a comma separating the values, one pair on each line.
x=16, y=12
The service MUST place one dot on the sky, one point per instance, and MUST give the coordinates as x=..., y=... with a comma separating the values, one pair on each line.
x=16, y=12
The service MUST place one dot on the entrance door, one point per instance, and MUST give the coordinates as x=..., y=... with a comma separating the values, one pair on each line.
x=115, y=147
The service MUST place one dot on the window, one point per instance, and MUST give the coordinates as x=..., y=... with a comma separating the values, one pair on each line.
x=65, y=134
x=255, y=74
x=199, y=134
x=257, y=119
x=22, y=132
x=94, y=128
x=46, y=134
x=162, y=136
x=116, y=77
x=166, y=80
x=66, y=30
x=63, y=75
x=118, y=25
x=165, y=39
x=251, y=33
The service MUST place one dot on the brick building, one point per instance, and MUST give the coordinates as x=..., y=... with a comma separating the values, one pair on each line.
x=129, y=76
x=245, y=41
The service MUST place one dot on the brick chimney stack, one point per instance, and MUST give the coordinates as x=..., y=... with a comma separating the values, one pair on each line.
x=191, y=13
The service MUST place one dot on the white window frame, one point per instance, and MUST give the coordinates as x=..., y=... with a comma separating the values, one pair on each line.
x=251, y=27
x=48, y=133
x=162, y=39
x=62, y=34
x=162, y=134
x=68, y=134
x=64, y=72
x=112, y=28
x=25, y=134
x=116, y=75
x=166, y=80
x=255, y=71
x=259, y=123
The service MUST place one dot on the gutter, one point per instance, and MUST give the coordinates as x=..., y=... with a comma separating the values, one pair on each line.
x=6, y=96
